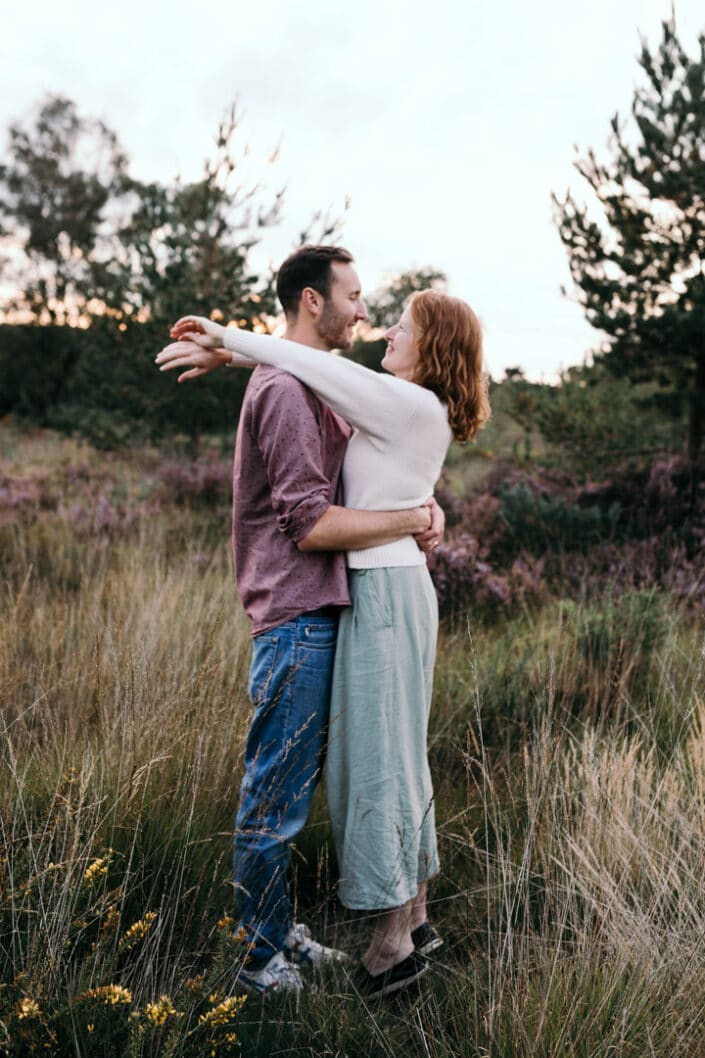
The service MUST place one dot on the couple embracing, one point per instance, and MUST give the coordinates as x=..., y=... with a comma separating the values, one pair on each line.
x=335, y=467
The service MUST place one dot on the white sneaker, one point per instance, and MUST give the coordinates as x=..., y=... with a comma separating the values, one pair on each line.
x=303, y=950
x=278, y=975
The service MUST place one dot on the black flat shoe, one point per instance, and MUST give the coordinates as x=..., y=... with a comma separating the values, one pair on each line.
x=426, y=939
x=399, y=976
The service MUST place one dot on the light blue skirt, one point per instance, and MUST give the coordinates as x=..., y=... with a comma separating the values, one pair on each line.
x=379, y=784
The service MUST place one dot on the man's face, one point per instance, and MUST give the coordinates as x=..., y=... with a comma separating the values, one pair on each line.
x=342, y=309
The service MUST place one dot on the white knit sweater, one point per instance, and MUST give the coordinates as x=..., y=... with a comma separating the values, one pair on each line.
x=401, y=432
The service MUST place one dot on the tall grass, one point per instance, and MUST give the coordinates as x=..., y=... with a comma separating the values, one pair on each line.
x=568, y=751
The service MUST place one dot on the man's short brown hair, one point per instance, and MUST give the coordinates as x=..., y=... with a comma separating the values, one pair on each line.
x=309, y=266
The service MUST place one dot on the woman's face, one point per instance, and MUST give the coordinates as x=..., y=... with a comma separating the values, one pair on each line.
x=402, y=353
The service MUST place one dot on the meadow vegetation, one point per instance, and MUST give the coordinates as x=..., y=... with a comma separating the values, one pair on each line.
x=567, y=747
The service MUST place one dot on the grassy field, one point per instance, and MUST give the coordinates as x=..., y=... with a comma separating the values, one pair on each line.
x=568, y=753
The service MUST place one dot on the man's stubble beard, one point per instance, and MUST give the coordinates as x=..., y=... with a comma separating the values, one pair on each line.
x=332, y=328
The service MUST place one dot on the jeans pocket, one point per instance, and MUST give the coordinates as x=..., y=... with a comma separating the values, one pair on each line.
x=262, y=668
x=320, y=634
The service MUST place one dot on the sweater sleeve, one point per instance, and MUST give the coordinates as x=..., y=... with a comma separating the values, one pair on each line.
x=378, y=405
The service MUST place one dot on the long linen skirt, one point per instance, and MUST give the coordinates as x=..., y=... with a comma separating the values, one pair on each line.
x=380, y=794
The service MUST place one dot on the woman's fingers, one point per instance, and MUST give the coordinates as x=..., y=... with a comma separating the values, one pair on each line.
x=194, y=372
x=194, y=323
x=205, y=341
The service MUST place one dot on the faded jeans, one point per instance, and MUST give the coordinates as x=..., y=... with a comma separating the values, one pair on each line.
x=289, y=686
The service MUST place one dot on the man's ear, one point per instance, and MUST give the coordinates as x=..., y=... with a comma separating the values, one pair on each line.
x=311, y=300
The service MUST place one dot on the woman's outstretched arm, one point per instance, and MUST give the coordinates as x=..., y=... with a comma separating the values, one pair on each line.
x=380, y=405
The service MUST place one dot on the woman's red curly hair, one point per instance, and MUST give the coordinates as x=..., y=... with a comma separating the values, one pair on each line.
x=449, y=339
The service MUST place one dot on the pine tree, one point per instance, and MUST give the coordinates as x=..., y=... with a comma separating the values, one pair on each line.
x=639, y=265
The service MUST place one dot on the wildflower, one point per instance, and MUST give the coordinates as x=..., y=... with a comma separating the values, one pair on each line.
x=27, y=1008
x=225, y=922
x=195, y=984
x=223, y=1013
x=96, y=870
x=241, y=935
x=110, y=995
x=138, y=930
x=90, y=1027
x=158, y=1013
x=111, y=920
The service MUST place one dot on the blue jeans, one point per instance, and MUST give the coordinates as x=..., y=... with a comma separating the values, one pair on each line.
x=290, y=682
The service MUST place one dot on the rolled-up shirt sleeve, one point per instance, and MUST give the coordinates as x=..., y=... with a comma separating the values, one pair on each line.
x=289, y=438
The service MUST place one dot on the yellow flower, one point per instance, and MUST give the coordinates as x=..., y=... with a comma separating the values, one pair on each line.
x=96, y=870
x=91, y=1027
x=241, y=935
x=223, y=1013
x=27, y=1008
x=111, y=995
x=138, y=930
x=225, y=922
x=157, y=1013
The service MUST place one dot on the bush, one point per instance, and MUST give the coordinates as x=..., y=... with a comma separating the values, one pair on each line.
x=538, y=522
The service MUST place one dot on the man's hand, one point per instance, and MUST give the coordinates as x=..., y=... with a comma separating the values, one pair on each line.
x=347, y=529
x=193, y=356
x=429, y=539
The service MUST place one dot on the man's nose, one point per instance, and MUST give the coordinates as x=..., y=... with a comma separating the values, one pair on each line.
x=361, y=311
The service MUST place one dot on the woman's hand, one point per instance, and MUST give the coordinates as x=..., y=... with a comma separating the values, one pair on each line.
x=199, y=360
x=193, y=328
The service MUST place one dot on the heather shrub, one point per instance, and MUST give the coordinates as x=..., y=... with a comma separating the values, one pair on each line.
x=206, y=481
x=538, y=522
x=467, y=584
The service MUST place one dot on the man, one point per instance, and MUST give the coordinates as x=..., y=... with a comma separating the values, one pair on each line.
x=289, y=537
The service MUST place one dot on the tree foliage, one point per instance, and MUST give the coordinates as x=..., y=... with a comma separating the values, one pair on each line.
x=89, y=245
x=95, y=241
x=102, y=263
x=639, y=264
x=60, y=192
x=591, y=423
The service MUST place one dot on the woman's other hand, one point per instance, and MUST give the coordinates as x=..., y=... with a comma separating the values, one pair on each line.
x=189, y=327
x=191, y=354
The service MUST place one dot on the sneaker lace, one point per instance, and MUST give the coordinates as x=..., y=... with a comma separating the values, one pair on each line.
x=282, y=972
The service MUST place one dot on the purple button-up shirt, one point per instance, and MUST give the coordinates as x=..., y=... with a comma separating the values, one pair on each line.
x=288, y=457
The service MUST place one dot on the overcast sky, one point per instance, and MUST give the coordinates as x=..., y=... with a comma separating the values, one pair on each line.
x=447, y=123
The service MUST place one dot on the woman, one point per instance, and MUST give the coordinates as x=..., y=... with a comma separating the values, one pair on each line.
x=379, y=785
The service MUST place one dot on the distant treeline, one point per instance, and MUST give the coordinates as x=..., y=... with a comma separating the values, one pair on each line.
x=101, y=383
